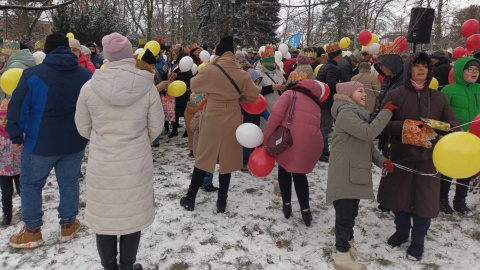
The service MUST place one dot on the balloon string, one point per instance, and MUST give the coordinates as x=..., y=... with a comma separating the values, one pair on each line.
x=434, y=175
x=466, y=124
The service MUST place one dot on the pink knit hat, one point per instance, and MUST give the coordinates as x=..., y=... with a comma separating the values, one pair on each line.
x=303, y=60
x=116, y=47
x=347, y=88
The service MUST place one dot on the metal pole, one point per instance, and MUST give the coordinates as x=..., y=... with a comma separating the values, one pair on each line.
x=414, y=47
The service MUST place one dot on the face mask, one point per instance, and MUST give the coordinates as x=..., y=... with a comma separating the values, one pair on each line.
x=271, y=68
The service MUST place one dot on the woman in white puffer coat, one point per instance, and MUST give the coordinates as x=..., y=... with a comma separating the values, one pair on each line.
x=120, y=112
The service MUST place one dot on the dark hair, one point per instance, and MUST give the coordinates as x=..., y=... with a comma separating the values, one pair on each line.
x=420, y=60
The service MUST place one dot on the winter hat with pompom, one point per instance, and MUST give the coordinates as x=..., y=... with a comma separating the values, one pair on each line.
x=74, y=44
x=347, y=88
x=116, y=47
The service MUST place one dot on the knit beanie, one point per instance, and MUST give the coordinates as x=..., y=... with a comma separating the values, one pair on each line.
x=74, y=44
x=148, y=57
x=440, y=54
x=86, y=50
x=239, y=54
x=116, y=47
x=225, y=45
x=472, y=63
x=303, y=60
x=347, y=88
x=54, y=41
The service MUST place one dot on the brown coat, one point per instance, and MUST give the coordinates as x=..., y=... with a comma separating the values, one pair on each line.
x=221, y=115
x=402, y=190
x=372, y=87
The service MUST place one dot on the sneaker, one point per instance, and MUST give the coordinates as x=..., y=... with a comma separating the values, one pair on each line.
x=397, y=239
x=210, y=188
x=445, y=207
x=462, y=208
x=69, y=231
x=357, y=255
x=27, y=238
x=244, y=169
x=415, y=252
x=343, y=261
x=324, y=158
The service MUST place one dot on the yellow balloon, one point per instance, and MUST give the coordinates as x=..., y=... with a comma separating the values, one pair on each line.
x=154, y=47
x=140, y=55
x=344, y=43
x=457, y=155
x=317, y=69
x=374, y=39
x=177, y=88
x=103, y=66
x=434, y=84
x=70, y=35
x=9, y=80
x=201, y=66
x=363, y=48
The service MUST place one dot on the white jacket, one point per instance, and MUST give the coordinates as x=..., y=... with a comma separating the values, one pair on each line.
x=120, y=112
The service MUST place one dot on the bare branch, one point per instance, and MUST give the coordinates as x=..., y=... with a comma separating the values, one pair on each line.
x=17, y=7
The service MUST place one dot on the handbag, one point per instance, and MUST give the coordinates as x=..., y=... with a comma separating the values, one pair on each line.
x=281, y=139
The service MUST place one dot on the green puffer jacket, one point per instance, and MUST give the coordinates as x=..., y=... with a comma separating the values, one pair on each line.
x=464, y=98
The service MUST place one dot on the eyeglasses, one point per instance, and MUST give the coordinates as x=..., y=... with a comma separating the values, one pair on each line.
x=473, y=70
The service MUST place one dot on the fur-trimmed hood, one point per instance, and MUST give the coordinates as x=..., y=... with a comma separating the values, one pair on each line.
x=343, y=102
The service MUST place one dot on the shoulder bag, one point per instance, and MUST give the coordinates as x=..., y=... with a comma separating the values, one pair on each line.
x=281, y=139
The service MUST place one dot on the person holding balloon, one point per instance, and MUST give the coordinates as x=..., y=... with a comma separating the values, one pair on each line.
x=413, y=194
x=226, y=85
x=464, y=98
x=350, y=166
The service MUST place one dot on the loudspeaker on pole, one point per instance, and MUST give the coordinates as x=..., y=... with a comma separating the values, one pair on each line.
x=420, y=27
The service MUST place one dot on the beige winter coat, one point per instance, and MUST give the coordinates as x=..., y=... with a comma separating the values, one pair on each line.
x=221, y=115
x=372, y=87
x=119, y=111
x=352, y=151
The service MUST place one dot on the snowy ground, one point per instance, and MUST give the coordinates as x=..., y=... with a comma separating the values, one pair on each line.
x=252, y=234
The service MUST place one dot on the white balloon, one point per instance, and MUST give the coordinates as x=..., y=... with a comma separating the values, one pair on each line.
x=249, y=135
x=186, y=63
x=212, y=57
x=165, y=57
x=283, y=48
x=288, y=56
x=261, y=50
x=280, y=64
x=278, y=56
x=373, y=48
x=39, y=56
x=138, y=51
x=194, y=69
x=205, y=56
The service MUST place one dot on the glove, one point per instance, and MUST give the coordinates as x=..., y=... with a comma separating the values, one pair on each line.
x=389, y=106
x=388, y=165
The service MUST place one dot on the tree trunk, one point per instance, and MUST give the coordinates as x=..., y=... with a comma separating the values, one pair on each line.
x=438, y=27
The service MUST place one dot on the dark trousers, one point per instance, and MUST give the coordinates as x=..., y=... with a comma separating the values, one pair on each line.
x=326, y=126
x=301, y=187
x=107, y=249
x=6, y=184
x=198, y=177
x=461, y=191
x=403, y=223
x=346, y=210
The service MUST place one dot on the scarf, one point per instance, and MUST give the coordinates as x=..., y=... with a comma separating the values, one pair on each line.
x=3, y=132
x=417, y=86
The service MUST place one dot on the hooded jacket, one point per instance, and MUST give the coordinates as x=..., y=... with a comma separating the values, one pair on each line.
x=395, y=64
x=43, y=106
x=22, y=59
x=402, y=190
x=440, y=72
x=464, y=98
x=119, y=111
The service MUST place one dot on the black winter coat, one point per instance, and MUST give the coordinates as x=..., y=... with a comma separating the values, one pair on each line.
x=329, y=74
x=181, y=101
x=440, y=72
x=347, y=70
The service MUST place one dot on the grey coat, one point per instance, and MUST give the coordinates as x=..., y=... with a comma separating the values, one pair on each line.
x=352, y=151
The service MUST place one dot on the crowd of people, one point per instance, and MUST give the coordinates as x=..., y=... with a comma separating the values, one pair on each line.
x=119, y=106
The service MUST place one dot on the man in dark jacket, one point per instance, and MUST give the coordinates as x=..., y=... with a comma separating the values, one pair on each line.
x=330, y=75
x=441, y=68
x=41, y=119
x=96, y=60
x=348, y=67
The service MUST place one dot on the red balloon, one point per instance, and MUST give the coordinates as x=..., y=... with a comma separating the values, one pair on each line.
x=450, y=76
x=256, y=107
x=473, y=42
x=470, y=27
x=260, y=163
x=364, y=37
x=325, y=91
x=380, y=78
x=402, y=43
x=475, y=126
x=458, y=52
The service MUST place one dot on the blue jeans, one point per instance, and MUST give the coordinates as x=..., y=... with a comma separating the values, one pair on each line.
x=246, y=155
x=208, y=179
x=156, y=141
x=403, y=224
x=34, y=172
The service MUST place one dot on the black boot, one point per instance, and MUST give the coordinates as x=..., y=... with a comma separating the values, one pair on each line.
x=174, y=132
x=188, y=202
x=445, y=207
x=307, y=217
x=415, y=252
x=185, y=134
x=137, y=266
x=397, y=239
x=461, y=207
x=221, y=203
x=7, y=219
x=287, y=210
